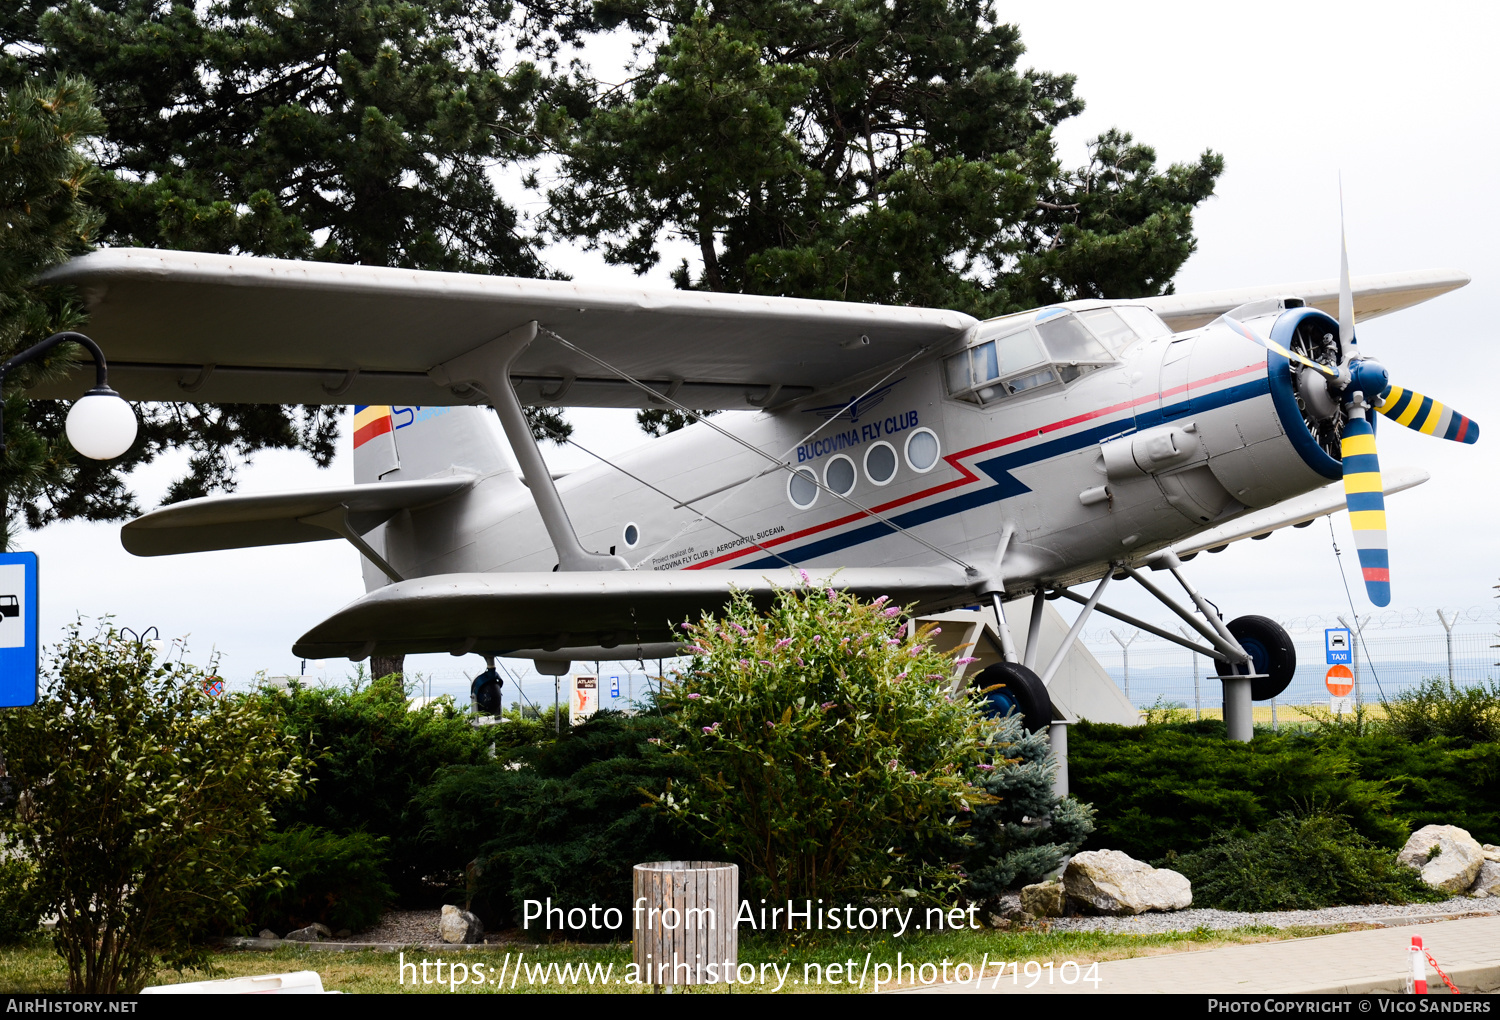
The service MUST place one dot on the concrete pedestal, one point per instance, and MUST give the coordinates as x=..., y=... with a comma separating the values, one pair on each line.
x=1057, y=737
x=1238, y=719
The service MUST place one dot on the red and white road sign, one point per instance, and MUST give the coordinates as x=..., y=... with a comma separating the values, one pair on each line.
x=1340, y=681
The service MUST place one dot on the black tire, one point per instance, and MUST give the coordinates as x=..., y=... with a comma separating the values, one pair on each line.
x=1271, y=652
x=1016, y=689
x=486, y=692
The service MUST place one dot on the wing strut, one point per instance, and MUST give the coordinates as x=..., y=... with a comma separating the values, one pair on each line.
x=489, y=367
x=337, y=521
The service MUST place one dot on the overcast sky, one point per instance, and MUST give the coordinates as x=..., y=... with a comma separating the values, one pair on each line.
x=1291, y=94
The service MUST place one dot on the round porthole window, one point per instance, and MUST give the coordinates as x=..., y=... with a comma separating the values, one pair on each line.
x=922, y=450
x=802, y=488
x=632, y=536
x=840, y=475
x=880, y=463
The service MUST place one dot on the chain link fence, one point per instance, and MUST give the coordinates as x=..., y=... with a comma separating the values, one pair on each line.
x=1397, y=649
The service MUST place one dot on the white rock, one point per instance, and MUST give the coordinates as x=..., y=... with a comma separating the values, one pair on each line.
x=1487, y=882
x=1455, y=864
x=457, y=926
x=314, y=932
x=1112, y=882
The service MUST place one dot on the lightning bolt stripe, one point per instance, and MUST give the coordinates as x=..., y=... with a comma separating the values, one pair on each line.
x=998, y=468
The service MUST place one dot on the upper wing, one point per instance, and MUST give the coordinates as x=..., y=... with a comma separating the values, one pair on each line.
x=535, y=612
x=1298, y=510
x=220, y=328
x=1373, y=296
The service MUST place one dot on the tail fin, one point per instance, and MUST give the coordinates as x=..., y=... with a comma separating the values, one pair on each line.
x=395, y=443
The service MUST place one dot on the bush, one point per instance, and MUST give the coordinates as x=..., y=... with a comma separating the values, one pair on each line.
x=1025, y=831
x=324, y=877
x=1171, y=788
x=20, y=911
x=372, y=756
x=1298, y=862
x=145, y=801
x=1439, y=708
x=566, y=819
x=825, y=755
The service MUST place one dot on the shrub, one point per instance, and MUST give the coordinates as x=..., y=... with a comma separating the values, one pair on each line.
x=20, y=911
x=824, y=753
x=1439, y=708
x=1025, y=831
x=372, y=755
x=324, y=877
x=146, y=799
x=566, y=819
x=1171, y=787
x=1298, y=862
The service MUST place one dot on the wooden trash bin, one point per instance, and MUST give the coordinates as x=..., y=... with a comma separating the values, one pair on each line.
x=683, y=919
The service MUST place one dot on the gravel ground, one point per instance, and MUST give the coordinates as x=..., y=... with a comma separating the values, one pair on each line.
x=1187, y=920
x=402, y=927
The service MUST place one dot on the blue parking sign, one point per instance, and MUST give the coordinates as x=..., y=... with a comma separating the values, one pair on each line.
x=614, y=687
x=1340, y=647
x=20, y=653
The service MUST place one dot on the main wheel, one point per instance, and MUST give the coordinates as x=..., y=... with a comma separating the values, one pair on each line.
x=485, y=691
x=1016, y=689
x=1271, y=652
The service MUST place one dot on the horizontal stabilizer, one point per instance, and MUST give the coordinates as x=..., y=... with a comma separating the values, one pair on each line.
x=501, y=613
x=1299, y=510
x=278, y=518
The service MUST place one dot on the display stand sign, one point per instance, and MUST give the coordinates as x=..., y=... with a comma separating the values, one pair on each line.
x=1340, y=650
x=614, y=688
x=20, y=651
x=585, y=701
x=1339, y=681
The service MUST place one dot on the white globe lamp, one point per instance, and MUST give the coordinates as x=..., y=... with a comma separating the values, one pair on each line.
x=101, y=425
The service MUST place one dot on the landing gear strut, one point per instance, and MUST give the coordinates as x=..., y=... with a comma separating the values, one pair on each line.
x=1255, y=656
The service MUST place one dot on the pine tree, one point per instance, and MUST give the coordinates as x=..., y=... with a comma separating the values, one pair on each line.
x=865, y=151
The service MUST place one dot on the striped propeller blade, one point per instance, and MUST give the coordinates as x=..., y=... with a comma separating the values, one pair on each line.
x=1366, y=499
x=1427, y=416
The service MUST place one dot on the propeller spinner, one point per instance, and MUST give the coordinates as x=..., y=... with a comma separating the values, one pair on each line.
x=1361, y=384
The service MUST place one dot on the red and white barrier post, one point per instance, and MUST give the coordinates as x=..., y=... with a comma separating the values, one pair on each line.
x=1418, y=966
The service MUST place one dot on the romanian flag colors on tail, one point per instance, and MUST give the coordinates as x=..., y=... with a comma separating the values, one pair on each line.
x=1425, y=415
x=370, y=421
x=1363, y=491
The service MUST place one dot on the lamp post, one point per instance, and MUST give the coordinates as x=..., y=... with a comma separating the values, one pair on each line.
x=101, y=425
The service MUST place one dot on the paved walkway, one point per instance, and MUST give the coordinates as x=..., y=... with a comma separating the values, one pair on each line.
x=1355, y=962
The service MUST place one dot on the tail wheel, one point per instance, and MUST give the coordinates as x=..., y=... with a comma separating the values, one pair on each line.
x=486, y=692
x=1008, y=687
x=1271, y=653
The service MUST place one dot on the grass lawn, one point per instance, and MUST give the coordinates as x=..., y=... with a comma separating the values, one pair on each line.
x=793, y=963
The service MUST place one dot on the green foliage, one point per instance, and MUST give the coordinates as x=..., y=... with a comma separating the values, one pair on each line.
x=823, y=751
x=372, y=756
x=661, y=421
x=1439, y=708
x=20, y=911
x=336, y=880
x=1165, y=788
x=1025, y=831
x=1298, y=862
x=145, y=800
x=852, y=150
x=567, y=818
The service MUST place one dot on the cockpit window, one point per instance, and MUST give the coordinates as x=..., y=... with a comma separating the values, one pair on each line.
x=1056, y=349
x=1143, y=320
x=1068, y=341
x=1105, y=324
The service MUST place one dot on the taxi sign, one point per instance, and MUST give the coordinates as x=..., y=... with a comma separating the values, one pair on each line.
x=20, y=657
x=1340, y=648
x=1340, y=681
